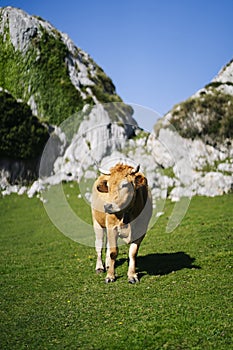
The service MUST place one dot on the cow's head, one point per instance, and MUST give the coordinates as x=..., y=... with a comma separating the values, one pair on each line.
x=120, y=185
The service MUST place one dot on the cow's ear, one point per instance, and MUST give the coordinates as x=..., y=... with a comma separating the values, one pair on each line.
x=102, y=186
x=140, y=181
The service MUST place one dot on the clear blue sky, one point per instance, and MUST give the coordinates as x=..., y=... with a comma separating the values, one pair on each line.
x=157, y=52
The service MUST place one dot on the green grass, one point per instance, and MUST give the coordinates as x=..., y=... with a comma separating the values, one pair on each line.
x=52, y=299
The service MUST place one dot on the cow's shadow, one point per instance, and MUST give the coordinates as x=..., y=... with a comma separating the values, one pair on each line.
x=162, y=263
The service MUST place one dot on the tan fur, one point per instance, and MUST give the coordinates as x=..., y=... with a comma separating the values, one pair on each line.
x=126, y=196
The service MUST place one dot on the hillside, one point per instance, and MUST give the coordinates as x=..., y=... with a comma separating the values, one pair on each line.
x=41, y=67
x=193, y=142
x=44, y=68
x=208, y=114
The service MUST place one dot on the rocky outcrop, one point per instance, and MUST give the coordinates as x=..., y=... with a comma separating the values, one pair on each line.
x=194, y=141
x=193, y=167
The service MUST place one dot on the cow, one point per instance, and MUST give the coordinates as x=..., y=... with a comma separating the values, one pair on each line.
x=121, y=207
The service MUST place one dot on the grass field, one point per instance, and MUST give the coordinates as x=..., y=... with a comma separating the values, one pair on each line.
x=51, y=297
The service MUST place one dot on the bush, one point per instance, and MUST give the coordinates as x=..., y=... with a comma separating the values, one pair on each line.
x=210, y=115
x=22, y=136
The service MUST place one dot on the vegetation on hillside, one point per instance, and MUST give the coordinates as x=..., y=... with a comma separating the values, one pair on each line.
x=42, y=72
x=22, y=136
x=209, y=117
x=104, y=89
x=40, y=75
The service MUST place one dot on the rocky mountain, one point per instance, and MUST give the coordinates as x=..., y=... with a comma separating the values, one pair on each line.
x=208, y=114
x=42, y=67
x=188, y=153
x=195, y=140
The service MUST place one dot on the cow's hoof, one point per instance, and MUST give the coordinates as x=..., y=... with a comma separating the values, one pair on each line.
x=98, y=271
x=133, y=280
x=109, y=279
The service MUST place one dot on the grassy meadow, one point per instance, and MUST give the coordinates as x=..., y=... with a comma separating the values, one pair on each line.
x=51, y=297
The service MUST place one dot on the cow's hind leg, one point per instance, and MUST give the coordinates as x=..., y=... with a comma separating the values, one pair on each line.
x=99, y=241
x=133, y=251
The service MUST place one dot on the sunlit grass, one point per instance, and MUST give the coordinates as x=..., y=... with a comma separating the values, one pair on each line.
x=51, y=297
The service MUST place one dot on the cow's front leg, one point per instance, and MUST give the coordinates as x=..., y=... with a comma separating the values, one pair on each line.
x=112, y=252
x=107, y=259
x=99, y=240
x=133, y=251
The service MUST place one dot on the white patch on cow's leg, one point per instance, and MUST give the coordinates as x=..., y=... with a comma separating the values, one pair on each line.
x=107, y=260
x=111, y=268
x=133, y=250
x=99, y=241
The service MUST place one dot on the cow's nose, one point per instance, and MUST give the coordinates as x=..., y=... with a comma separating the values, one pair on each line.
x=108, y=208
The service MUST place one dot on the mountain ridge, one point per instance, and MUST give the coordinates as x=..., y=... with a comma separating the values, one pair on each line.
x=188, y=153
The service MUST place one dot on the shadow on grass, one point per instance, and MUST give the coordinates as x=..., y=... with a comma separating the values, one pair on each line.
x=162, y=263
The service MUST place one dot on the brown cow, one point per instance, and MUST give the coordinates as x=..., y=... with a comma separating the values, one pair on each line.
x=122, y=206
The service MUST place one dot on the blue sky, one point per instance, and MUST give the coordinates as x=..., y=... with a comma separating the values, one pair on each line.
x=157, y=52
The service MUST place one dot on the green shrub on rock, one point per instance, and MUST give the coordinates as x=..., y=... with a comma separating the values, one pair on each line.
x=210, y=115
